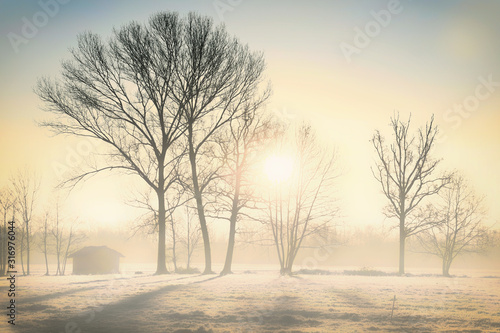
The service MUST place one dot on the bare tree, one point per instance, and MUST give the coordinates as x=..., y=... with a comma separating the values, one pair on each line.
x=406, y=172
x=218, y=76
x=303, y=204
x=26, y=185
x=460, y=226
x=66, y=237
x=145, y=89
x=7, y=202
x=237, y=150
x=120, y=93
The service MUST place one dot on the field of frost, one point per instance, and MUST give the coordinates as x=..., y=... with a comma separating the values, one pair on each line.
x=256, y=301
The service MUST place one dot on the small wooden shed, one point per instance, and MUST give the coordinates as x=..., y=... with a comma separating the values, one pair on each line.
x=96, y=260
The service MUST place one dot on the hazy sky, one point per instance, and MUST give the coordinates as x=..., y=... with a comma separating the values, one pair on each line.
x=344, y=65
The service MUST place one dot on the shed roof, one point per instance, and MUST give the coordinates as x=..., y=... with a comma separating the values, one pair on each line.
x=94, y=250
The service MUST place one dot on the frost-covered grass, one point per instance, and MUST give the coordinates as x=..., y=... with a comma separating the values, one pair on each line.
x=258, y=302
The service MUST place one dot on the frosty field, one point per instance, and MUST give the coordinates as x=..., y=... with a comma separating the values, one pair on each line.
x=255, y=301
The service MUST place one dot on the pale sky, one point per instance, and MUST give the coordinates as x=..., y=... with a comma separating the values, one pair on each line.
x=424, y=58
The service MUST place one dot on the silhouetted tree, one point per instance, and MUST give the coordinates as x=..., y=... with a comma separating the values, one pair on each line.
x=406, y=172
x=218, y=77
x=147, y=87
x=460, y=226
x=303, y=204
x=66, y=238
x=237, y=149
x=121, y=93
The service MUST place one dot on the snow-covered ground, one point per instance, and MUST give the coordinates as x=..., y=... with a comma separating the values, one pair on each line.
x=254, y=301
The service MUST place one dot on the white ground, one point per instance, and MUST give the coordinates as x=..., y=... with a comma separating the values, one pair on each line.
x=254, y=301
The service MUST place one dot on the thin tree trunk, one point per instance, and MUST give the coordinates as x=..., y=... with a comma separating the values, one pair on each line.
x=447, y=259
x=402, y=239
x=27, y=248
x=45, y=247
x=200, y=208
x=230, y=246
x=188, y=244
x=67, y=251
x=174, y=256
x=232, y=229
x=161, y=266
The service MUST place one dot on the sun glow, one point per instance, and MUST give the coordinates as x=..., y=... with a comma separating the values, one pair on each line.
x=278, y=168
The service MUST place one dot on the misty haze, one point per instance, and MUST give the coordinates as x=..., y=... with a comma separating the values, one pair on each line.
x=244, y=166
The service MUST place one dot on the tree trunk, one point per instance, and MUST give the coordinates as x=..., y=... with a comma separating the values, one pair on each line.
x=204, y=233
x=446, y=268
x=232, y=229
x=45, y=248
x=446, y=264
x=58, y=252
x=27, y=249
x=174, y=256
x=188, y=261
x=200, y=208
x=402, y=239
x=70, y=238
x=286, y=270
x=161, y=266
x=230, y=246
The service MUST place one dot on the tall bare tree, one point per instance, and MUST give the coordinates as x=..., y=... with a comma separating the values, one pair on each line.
x=218, y=77
x=460, y=227
x=120, y=92
x=26, y=185
x=303, y=204
x=407, y=174
x=237, y=149
x=144, y=89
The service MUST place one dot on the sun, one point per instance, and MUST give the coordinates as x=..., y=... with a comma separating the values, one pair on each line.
x=278, y=168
